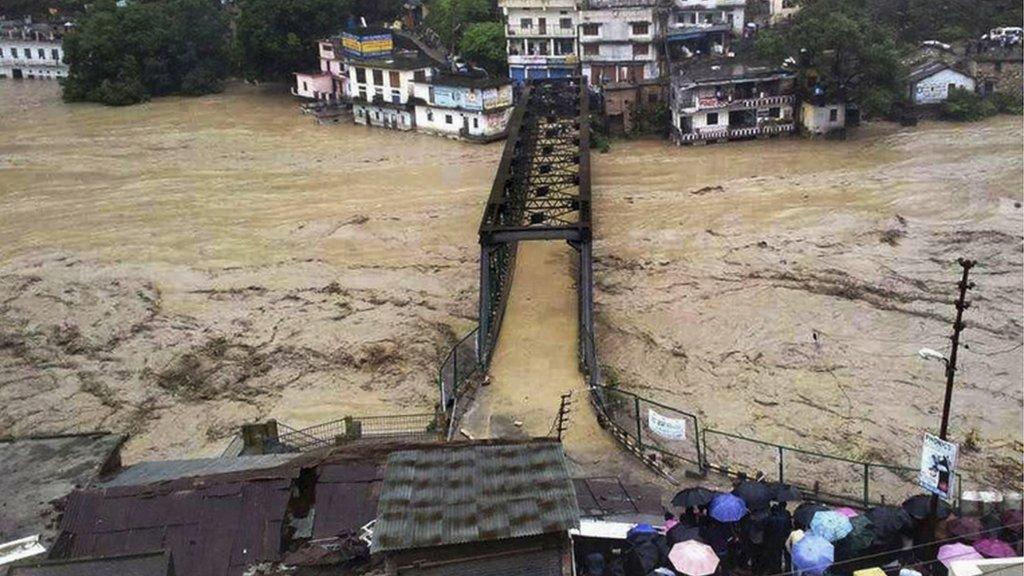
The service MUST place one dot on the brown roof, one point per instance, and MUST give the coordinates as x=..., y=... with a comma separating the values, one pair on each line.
x=149, y=564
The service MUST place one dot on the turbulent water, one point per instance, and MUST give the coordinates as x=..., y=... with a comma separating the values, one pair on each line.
x=177, y=268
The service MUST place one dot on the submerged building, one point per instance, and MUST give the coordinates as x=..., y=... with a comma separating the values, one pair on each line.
x=726, y=99
x=32, y=51
x=462, y=106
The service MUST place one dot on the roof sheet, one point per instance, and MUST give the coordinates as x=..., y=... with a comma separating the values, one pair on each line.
x=466, y=81
x=149, y=564
x=926, y=69
x=346, y=497
x=38, y=470
x=471, y=493
x=160, y=471
x=213, y=527
x=716, y=70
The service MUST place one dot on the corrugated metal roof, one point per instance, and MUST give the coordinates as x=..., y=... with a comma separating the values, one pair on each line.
x=149, y=564
x=161, y=471
x=346, y=497
x=471, y=493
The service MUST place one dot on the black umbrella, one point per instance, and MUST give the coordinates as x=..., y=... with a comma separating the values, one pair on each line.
x=693, y=497
x=781, y=492
x=805, y=512
x=889, y=521
x=919, y=507
x=755, y=494
x=682, y=533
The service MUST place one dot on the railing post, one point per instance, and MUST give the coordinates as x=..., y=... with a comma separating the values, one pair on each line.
x=455, y=369
x=639, y=433
x=782, y=465
x=867, y=475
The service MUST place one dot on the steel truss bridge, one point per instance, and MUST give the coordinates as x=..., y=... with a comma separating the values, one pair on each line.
x=541, y=192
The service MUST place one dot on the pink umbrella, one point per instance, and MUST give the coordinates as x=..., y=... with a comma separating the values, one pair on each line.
x=669, y=524
x=952, y=552
x=848, y=512
x=992, y=548
x=693, y=558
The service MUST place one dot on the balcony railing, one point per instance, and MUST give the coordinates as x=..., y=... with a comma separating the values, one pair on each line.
x=546, y=32
x=734, y=133
x=740, y=103
x=542, y=59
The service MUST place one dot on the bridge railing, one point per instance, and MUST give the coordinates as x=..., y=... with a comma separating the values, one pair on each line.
x=351, y=428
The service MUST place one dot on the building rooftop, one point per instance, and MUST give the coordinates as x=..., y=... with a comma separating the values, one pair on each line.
x=164, y=470
x=699, y=71
x=146, y=564
x=38, y=470
x=466, y=81
x=476, y=492
x=397, y=61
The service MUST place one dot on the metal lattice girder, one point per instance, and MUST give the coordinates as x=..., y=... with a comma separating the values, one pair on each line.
x=542, y=188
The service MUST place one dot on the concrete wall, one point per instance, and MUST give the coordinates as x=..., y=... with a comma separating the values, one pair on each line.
x=818, y=119
x=1000, y=76
x=435, y=119
x=315, y=87
x=25, y=56
x=935, y=88
x=382, y=116
x=392, y=92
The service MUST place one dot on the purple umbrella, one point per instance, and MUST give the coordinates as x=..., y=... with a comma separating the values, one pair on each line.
x=727, y=508
x=813, y=554
x=967, y=529
x=952, y=552
x=1013, y=521
x=992, y=548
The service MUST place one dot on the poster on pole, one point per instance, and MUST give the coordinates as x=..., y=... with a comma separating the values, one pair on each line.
x=670, y=428
x=938, y=466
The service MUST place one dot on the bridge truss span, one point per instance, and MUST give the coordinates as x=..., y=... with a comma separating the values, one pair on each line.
x=541, y=192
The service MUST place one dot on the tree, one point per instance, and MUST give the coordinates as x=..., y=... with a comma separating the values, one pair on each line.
x=451, y=18
x=278, y=37
x=124, y=55
x=483, y=44
x=842, y=51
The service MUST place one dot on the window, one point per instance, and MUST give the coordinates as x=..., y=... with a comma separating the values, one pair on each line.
x=1, y=52
x=476, y=122
x=419, y=76
x=14, y=52
x=361, y=75
x=640, y=28
x=55, y=53
x=305, y=88
x=641, y=49
x=565, y=23
x=28, y=53
x=447, y=118
x=712, y=119
x=378, y=77
x=394, y=78
x=775, y=112
x=525, y=23
x=430, y=115
x=591, y=29
x=41, y=53
x=591, y=50
x=833, y=115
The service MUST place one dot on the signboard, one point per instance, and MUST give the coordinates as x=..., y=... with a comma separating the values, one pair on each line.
x=671, y=428
x=938, y=466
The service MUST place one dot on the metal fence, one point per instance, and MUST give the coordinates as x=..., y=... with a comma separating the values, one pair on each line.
x=461, y=363
x=633, y=416
x=352, y=428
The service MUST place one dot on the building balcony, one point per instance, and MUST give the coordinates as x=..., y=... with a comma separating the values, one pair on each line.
x=537, y=59
x=538, y=4
x=538, y=32
x=34, y=62
x=707, y=134
x=738, y=103
x=709, y=4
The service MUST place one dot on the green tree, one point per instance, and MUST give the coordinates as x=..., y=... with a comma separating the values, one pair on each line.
x=483, y=45
x=451, y=18
x=123, y=55
x=842, y=50
x=278, y=37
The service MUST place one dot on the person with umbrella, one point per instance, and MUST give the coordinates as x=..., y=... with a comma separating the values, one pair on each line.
x=813, y=555
x=776, y=529
x=693, y=558
x=695, y=502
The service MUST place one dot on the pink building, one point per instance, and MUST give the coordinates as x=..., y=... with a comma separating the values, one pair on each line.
x=330, y=83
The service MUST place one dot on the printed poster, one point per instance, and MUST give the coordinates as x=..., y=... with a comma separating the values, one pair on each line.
x=670, y=428
x=938, y=466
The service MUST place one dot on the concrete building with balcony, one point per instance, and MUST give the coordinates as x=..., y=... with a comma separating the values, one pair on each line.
x=703, y=27
x=381, y=89
x=463, y=107
x=330, y=82
x=32, y=51
x=541, y=38
x=720, y=99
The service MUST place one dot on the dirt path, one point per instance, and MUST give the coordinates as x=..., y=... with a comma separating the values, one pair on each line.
x=536, y=362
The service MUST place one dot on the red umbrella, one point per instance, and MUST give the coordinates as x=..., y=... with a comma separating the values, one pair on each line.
x=992, y=548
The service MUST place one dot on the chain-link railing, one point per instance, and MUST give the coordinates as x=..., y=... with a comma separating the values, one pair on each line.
x=351, y=428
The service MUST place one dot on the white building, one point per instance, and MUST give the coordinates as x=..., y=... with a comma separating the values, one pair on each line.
x=619, y=41
x=381, y=88
x=32, y=51
x=820, y=119
x=540, y=38
x=703, y=27
x=464, y=107
x=931, y=83
x=724, y=99
x=779, y=10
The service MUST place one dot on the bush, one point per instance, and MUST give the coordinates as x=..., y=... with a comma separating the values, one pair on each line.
x=1007, y=103
x=965, y=106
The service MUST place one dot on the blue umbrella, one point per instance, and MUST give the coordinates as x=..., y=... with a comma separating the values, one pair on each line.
x=727, y=508
x=812, y=554
x=640, y=529
x=831, y=525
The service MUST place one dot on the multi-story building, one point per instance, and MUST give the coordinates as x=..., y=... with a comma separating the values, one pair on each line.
x=32, y=51
x=540, y=38
x=464, y=107
x=703, y=27
x=381, y=88
x=330, y=82
x=715, y=99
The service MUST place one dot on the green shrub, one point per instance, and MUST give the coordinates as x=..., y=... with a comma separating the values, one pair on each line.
x=1007, y=103
x=965, y=106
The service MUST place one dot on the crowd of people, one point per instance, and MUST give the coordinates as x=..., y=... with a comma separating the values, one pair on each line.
x=751, y=531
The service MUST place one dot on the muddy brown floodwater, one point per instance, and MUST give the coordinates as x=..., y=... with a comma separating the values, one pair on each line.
x=178, y=268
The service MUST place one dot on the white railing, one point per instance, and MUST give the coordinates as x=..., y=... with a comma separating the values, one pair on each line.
x=555, y=31
x=731, y=133
x=764, y=101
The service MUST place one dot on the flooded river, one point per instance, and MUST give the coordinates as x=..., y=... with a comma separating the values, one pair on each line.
x=177, y=268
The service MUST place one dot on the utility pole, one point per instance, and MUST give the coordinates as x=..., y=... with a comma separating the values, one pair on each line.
x=958, y=326
x=562, y=423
